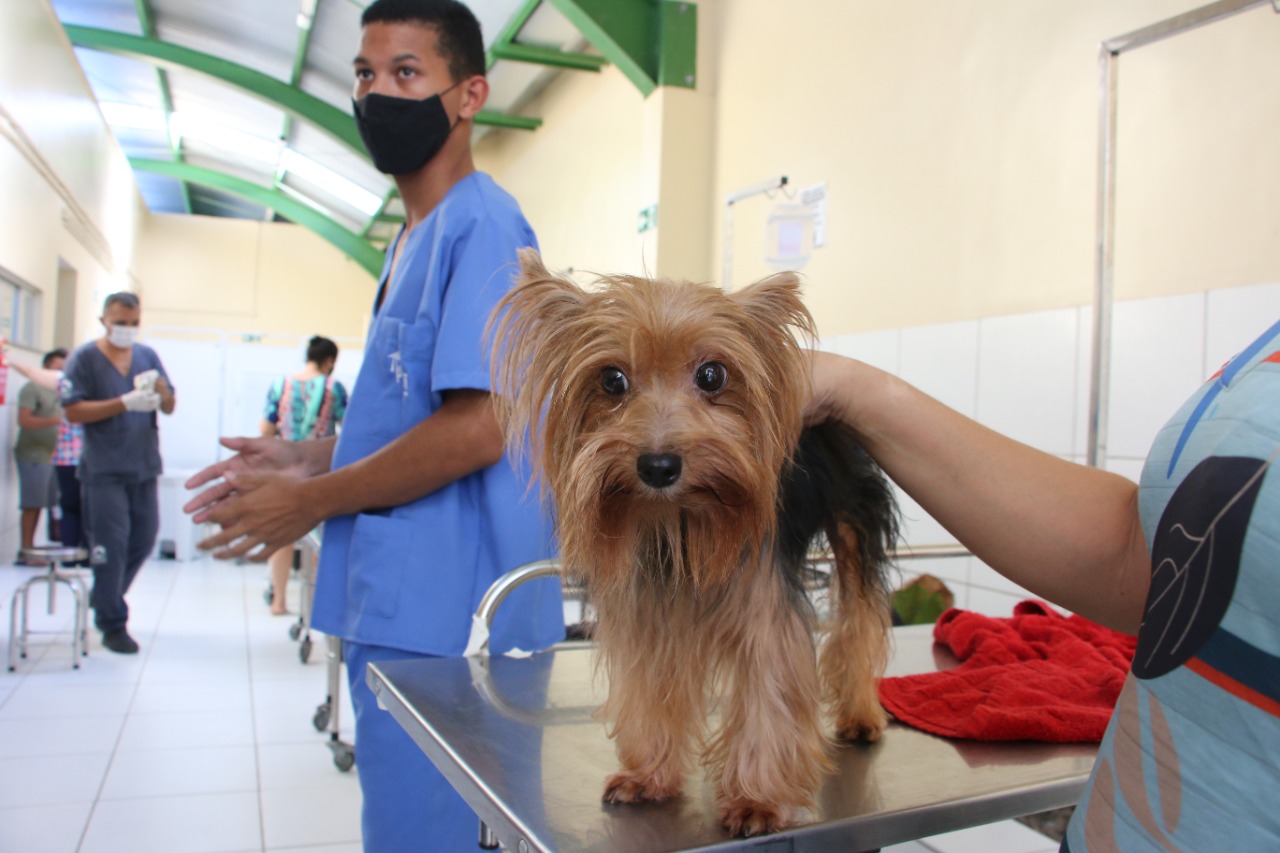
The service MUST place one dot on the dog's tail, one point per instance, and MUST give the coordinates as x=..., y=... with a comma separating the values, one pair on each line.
x=833, y=490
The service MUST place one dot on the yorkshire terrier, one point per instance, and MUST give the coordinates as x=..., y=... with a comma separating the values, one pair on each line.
x=666, y=422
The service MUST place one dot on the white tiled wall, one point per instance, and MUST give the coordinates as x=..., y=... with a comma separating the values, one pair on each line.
x=1027, y=376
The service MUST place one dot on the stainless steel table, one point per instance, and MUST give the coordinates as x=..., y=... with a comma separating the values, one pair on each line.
x=517, y=739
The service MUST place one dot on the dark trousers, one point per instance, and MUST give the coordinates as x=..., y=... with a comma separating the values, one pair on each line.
x=69, y=499
x=121, y=521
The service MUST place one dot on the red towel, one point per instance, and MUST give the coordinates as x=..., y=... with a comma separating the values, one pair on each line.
x=1037, y=676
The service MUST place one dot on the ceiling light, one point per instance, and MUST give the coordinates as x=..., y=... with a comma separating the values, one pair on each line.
x=135, y=116
x=206, y=130
x=331, y=182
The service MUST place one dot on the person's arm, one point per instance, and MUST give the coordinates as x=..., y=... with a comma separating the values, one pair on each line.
x=267, y=429
x=168, y=401
x=28, y=419
x=92, y=411
x=41, y=376
x=266, y=512
x=1066, y=532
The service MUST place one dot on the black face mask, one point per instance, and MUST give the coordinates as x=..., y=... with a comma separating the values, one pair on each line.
x=401, y=134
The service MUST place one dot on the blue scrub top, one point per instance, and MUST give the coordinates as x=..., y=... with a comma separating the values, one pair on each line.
x=123, y=448
x=410, y=577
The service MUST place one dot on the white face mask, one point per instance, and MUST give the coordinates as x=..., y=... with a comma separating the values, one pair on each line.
x=122, y=337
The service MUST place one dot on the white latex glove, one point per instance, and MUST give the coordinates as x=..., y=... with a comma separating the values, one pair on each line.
x=146, y=380
x=141, y=401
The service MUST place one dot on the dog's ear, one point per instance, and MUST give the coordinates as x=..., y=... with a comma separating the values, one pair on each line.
x=542, y=295
x=531, y=266
x=524, y=332
x=775, y=302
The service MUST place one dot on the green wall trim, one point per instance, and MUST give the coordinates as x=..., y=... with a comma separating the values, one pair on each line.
x=351, y=244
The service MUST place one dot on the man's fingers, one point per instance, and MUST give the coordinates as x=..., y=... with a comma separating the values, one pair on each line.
x=207, y=497
x=199, y=478
x=222, y=538
x=241, y=549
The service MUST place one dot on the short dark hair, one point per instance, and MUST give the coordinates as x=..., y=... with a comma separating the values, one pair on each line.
x=123, y=297
x=52, y=354
x=458, y=35
x=320, y=350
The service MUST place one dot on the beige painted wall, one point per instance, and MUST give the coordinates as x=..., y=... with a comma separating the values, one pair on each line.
x=68, y=191
x=66, y=194
x=578, y=178
x=958, y=142
x=243, y=276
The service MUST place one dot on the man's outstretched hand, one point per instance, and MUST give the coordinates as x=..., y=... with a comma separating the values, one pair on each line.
x=259, y=498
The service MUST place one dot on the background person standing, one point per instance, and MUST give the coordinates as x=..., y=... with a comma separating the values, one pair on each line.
x=114, y=386
x=302, y=406
x=39, y=414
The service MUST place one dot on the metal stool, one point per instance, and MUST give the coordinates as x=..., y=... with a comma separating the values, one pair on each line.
x=19, y=632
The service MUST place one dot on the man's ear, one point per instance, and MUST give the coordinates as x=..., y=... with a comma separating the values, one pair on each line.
x=475, y=93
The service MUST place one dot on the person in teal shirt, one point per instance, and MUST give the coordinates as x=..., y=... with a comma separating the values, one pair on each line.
x=302, y=406
x=425, y=510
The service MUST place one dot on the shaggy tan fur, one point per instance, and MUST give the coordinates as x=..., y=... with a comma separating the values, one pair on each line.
x=693, y=616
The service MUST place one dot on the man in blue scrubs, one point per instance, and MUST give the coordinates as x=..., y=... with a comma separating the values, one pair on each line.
x=114, y=386
x=424, y=510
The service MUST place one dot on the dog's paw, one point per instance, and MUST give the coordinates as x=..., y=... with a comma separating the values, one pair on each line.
x=627, y=787
x=865, y=727
x=747, y=817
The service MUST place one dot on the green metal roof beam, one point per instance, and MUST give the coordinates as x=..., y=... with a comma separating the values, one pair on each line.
x=514, y=26
x=506, y=47
x=291, y=99
x=509, y=121
x=350, y=244
x=379, y=213
x=295, y=79
x=653, y=42
x=548, y=56
x=147, y=22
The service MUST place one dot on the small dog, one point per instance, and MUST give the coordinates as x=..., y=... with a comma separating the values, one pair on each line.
x=666, y=422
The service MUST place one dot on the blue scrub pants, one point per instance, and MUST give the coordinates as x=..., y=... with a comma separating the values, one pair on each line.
x=121, y=521
x=408, y=805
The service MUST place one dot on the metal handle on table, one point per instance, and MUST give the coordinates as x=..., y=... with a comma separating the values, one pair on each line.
x=503, y=586
x=575, y=588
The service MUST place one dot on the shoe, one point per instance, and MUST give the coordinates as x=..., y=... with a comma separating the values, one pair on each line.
x=120, y=642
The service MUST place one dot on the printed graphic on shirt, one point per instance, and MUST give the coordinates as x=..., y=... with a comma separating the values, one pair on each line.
x=1195, y=559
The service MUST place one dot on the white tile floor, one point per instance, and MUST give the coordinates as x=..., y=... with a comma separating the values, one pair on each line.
x=203, y=742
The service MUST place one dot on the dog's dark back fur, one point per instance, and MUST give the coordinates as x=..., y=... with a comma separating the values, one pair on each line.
x=831, y=481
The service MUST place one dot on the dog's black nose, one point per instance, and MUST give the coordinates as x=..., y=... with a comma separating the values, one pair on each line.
x=659, y=469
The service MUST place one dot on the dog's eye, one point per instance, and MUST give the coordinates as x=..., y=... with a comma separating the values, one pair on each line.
x=613, y=381
x=710, y=376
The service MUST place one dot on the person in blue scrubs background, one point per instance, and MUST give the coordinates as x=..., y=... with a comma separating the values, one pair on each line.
x=115, y=386
x=424, y=510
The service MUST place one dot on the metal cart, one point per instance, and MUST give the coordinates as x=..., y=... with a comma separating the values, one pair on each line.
x=325, y=718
